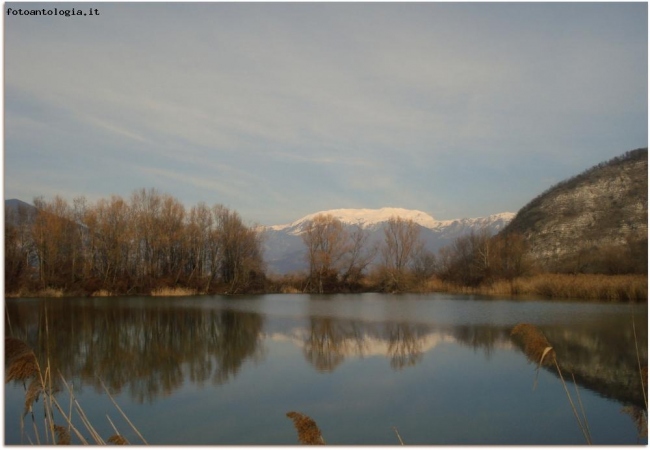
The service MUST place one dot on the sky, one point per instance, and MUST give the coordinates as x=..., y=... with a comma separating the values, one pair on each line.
x=279, y=110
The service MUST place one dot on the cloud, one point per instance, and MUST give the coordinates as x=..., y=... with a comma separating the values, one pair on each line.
x=323, y=103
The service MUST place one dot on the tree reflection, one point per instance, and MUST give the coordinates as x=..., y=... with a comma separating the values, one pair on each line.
x=603, y=360
x=405, y=344
x=149, y=351
x=482, y=337
x=324, y=347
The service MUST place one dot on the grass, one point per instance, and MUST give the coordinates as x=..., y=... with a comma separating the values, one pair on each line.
x=47, y=292
x=172, y=292
x=613, y=288
x=102, y=293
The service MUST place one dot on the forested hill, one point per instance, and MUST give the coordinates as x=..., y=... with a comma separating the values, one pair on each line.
x=594, y=222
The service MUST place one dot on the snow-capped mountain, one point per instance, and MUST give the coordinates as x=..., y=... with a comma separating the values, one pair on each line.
x=284, y=250
x=364, y=218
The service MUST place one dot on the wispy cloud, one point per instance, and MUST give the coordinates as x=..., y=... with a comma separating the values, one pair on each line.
x=323, y=103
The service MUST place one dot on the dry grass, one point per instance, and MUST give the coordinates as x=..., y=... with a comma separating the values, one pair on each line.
x=173, y=292
x=49, y=292
x=308, y=432
x=289, y=290
x=102, y=293
x=614, y=288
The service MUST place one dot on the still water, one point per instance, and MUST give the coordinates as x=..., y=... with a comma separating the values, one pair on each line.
x=438, y=368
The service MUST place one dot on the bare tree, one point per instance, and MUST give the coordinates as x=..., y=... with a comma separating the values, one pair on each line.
x=327, y=244
x=401, y=244
x=358, y=256
x=240, y=250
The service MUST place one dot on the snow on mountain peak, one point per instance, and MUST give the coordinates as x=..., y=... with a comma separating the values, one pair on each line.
x=367, y=217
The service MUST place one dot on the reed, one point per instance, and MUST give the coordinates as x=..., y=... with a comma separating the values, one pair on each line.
x=613, y=288
x=173, y=292
x=22, y=365
x=308, y=431
x=539, y=350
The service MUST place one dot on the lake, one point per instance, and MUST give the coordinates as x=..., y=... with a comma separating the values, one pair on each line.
x=440, y=369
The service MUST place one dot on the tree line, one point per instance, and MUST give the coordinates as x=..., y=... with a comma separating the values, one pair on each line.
x=338, y=258
x=130, y=246
x=151, y=241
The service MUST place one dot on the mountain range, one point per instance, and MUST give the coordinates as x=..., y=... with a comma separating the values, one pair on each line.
x=285, y=252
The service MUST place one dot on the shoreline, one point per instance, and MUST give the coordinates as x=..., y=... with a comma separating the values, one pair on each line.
x=548, y=286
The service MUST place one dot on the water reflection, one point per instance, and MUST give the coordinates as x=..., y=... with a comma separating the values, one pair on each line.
x=150, y=349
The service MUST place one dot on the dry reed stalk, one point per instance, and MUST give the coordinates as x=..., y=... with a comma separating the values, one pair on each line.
x=82, y=415
x=117, y=437
x=122, y=412
x=582, y=408
x=308, y=432
x=48, y=377
x=68, y=418
x=22, y=365
x=644, y=377
x=401, y=442
x=536, y=348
